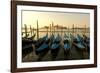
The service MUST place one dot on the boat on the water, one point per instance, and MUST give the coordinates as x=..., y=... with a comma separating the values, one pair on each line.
x=27, y=46
x=86, y=42
x=67, y=44
x=40, y=41
x=32, y=37
x=44, y=46
x=26, y=42
x=56, y=42
x=78, y=43
x=26, y=50
x=55, y=46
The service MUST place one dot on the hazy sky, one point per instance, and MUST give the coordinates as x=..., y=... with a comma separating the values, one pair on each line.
x=60, y=18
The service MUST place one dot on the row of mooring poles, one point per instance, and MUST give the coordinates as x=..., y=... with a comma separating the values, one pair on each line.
x=76, y=30
x=27, y=32
x=38, y=30
x=52, y=30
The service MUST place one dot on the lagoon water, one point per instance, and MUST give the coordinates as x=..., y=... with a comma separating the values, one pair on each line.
x=43, y=32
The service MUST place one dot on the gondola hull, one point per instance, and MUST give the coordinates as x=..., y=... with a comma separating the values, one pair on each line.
x=26, y=42
x=54, y=50
x=79, y=46
x=66, y=48
x=26, y=50
x=43, y=48
x=43, y=45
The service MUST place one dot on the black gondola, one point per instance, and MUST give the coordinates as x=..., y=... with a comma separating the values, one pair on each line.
x=27, y=45
x=32, y=37
x=55, y=46
x=44, y=46
x=26, y=50
x=87, y=42
x=67, y=45
x=78, y=43
x=26, y=42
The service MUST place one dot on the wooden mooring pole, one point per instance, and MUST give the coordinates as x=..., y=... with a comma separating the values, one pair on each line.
x=25, y=30
x=31, y=30
x=50, y=30
x=37, y=30
x=85, y=30
x=61, y=31
x=73, y=29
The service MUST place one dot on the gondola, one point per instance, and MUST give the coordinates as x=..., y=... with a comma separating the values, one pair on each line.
x=26, y=50
x=56, y=42
x=87, y=42
x=78, y=43
x=32, y=37
x=55, y=46
x=25, y=36
x=44, y=47
x=40, y=41
x=27, y=46
x=79, y=38
x=67, y=45
x=26, y=42
x=73, y=38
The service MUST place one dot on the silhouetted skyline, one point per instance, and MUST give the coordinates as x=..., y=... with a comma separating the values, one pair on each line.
x=58, y=18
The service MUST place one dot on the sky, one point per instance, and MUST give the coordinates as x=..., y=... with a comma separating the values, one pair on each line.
x=61, y=18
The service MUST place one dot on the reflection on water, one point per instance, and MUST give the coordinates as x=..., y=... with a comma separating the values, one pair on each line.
x=43, y=32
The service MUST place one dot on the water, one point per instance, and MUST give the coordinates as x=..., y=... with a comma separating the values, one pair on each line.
x=43, y=32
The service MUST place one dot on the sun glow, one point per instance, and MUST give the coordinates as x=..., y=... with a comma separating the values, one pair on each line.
x=58, y=18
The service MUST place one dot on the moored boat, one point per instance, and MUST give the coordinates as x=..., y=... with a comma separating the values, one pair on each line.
x=44, y=46
x=87, y=42
x=55, y=46
x=67, y=45
x=26, y=50
x=78, y=43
